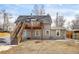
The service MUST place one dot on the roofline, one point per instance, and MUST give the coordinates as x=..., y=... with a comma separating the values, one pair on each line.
x=33, y=15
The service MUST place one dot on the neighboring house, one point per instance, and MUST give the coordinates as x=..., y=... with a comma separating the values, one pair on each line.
x=75, y=34
x=75, y=29
x=69, y=34
x=1, y=27
x=58, y=33
x=11, y=27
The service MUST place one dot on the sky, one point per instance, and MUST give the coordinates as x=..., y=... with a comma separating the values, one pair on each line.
x=67, y=10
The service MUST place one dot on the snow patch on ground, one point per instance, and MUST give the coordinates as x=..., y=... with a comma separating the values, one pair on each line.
x=3, y=48
x=6, y=47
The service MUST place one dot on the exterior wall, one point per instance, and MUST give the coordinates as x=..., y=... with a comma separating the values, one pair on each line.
x=37, y=34
x=46, y=31
x=61, y=35
x=26, y=34
x=53, y=33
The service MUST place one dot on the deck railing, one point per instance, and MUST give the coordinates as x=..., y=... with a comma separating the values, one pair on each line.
x=34, y=24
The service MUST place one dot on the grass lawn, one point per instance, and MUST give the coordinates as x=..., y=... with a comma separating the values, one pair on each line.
x=44, y=46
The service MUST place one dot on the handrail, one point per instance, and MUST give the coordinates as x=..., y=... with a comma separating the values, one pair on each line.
x=14, y=33
x=19, y=36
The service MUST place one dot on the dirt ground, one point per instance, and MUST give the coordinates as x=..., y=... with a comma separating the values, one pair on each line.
x=45, y=47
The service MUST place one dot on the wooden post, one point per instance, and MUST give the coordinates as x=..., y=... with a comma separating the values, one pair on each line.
x=41, y=30
x=31, y=29
x=31, y=32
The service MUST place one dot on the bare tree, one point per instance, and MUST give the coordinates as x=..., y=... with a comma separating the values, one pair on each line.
x=69, y=25
x=42, y=10
x=38, y=9
x=75, y=23
x=59, y=21
x=6, y=17
x=35, y=9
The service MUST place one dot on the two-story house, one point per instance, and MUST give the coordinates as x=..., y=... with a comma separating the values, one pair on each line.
x=32, y=27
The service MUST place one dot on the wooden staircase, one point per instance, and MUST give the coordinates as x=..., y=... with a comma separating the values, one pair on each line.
x=16, y=35
x=19, y=35
x=13, y=34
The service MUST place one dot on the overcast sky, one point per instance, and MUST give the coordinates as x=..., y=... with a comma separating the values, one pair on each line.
x=67, y=10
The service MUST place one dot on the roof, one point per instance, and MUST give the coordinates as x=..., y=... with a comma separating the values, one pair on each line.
x=76, y=26
x=27, y=18
x=58, y=28
x=75, y=30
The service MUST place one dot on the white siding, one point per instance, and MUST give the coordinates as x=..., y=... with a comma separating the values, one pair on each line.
x=37, y=32
x=46, y=29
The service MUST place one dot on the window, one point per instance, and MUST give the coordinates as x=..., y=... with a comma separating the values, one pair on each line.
x=37, y=33
x=47, y=32
x=33, y=19
x=57, y=32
